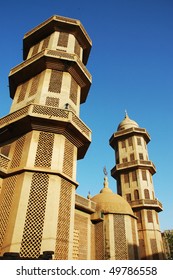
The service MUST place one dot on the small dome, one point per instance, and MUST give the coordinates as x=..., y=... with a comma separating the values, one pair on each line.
x=109, y=202
x=127, y=123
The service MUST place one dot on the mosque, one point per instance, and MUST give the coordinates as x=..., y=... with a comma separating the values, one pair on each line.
x=42, y=137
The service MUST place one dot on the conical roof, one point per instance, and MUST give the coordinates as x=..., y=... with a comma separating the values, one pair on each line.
x=110, y=203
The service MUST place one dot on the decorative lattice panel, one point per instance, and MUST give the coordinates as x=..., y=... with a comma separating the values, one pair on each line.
x=76, y=244
x=81, y=224
x=18, y=152
x=14, y=115
x=149, y=216
x=44, y=149
x=34, y=85
x=35, y=49
x=73, y=91
x=99, y=241
x=64, y=219
x=6, y=199
x=4, y=161
x=55, y=81
x=77, y=48
x=52, y=101
x=34, y=222
x=50, y=111
x=68, y=158
x=63, y=39
x=45, y=43
x=120, y=238
x=81, y=125
x=155, y=254
x=5, y=150
x=22, y=92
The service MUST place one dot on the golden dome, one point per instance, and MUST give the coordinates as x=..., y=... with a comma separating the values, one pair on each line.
x=127, y=123
x=110, y=203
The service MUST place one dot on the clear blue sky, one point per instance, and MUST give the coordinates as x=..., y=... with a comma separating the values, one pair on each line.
x=132, y=67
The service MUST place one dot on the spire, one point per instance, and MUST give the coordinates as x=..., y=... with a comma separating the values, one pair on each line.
x=126, y=115
x=105, y=183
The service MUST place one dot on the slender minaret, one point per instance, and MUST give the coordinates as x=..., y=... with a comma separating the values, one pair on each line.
x=133, y=172
x=42, y=138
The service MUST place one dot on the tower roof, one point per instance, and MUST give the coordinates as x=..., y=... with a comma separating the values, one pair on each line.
x=127, y=123
x=110, y=203
x=58, y=23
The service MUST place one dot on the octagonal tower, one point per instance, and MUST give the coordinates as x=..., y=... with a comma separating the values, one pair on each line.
x=42, y=138
x=133, y=172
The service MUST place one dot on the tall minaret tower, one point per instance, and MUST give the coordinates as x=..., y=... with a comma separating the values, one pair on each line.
x=133, y=172
x=41, y=140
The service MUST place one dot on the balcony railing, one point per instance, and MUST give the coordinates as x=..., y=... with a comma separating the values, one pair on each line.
x=135, y=163
x=47, y=112
x=84, y=203
x=147, y=203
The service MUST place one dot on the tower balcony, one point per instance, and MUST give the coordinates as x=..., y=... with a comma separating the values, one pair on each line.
x=49, y=119
x=135, y=164
x=146, y=203
x=51, y=59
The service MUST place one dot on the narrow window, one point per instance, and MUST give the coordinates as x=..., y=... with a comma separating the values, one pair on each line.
x=144, y=175
x=139, y=141
x=126, y=178
x=124, y=159
x=130, y=141
x=149, y=216
x=134, y=177
x=146, y=194
x=63, y=39
x=123, y=144
x=132, y=157
x=141, y=156
x=136, y=194
x=128, y=197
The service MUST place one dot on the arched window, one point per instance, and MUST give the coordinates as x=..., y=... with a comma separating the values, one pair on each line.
x=136, y=194
x=146, y=194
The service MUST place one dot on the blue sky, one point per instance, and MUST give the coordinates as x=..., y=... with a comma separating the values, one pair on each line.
x=132, y=67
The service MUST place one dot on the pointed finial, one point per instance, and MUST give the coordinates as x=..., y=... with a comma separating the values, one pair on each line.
x=126, y=115
x=105, y=184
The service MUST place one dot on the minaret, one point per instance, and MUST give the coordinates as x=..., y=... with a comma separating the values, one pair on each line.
x=133, y=172
x=42, y=138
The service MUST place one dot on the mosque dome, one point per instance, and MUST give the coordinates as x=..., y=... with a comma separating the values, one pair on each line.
x=110, y=203
x=127, y=123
